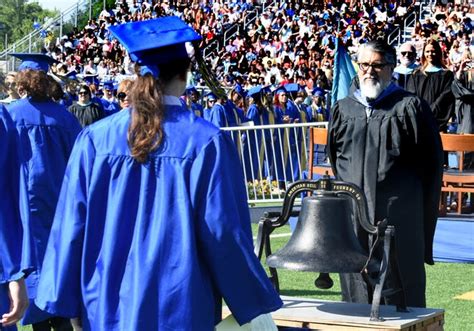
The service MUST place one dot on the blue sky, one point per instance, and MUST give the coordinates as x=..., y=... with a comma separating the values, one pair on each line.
x=56, y=4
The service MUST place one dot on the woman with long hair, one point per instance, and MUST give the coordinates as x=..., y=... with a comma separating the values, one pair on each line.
x=432, y=82
x=153, y=228
x=47, y=132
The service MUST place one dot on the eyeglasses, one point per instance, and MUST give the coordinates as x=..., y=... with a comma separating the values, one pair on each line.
x=407, y=53
x=82, y=93
x=211, y=100
x=121, y=95
x=376, y=66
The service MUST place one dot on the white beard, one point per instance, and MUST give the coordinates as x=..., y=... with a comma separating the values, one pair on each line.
x=405, y=62
x=370, y=89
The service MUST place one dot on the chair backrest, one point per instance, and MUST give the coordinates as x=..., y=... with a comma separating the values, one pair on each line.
x=457, y=142
x=317, y=136
x=461, y=143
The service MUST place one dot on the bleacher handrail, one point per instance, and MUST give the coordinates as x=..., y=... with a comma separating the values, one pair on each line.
x=231, y=32
x=394, y=36
x=253, y=14
x=30, y=42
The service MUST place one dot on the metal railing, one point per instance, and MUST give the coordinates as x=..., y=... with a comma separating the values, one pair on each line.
x=249, y=18
x=267, y=5
x=34, y=41
x=231, y=32
x=394, y=36
x=211, y=49
x=272, y=157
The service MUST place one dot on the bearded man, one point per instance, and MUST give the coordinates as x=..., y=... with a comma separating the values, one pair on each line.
x=386, y=141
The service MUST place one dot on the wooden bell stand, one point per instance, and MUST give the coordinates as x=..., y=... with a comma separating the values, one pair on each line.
x=316, y=314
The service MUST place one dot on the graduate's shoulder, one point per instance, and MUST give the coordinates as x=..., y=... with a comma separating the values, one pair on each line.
x=186, y=134
x=110, y=130
x=45, y=113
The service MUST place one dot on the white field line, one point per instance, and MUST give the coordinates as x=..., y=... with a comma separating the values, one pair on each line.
x=281, y=235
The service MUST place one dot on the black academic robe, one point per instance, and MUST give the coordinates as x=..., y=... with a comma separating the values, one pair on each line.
x=463, y=91
x=434, y=88
x=396, y=152
x=88, y=114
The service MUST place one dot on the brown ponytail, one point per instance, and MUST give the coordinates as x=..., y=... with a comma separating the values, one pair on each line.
x=145, y=132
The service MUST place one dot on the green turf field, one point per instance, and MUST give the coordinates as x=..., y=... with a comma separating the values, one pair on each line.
x=445, y=281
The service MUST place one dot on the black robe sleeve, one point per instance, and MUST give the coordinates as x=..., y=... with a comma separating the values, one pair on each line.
x=431, y=150
x=464, y=95
x=435, y=89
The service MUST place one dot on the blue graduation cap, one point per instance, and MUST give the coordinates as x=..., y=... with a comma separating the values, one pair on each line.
x=211, y=96
x=318, y=92
x=71, y=74
x=191, y=89
x=292, y=87
x=280, y=90
x=109, y=85
x=255, y=91
x=91, y=79
x=267, y=89
x=34, y=61
x=155, y=41
x=240, y=90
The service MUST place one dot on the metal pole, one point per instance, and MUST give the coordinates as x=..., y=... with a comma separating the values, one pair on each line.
x=29, y=43
x=77, y=14
x=104, y=4
x=61, y=26
x=6, y=56
x=90, y=10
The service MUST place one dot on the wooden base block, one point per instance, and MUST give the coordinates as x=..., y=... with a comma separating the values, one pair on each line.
x=329, y=315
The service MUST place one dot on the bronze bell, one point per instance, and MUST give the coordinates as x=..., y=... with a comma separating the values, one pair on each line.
x=324, y=239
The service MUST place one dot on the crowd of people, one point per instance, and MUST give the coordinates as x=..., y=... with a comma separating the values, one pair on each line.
x=125, y=170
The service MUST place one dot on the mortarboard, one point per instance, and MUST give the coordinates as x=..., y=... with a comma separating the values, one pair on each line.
x=34, y=61
x=71, y=75
x=280, y=90
x=191, y=89
x=239, y=89
x=267, y=89
x=292, y=87
x=318, y=92
x=91, y=79
x=155, y=41
x=255, y=91
x=108, y=86
x=211, y=96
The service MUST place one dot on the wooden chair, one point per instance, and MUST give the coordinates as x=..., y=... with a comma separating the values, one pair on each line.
x=317, y=136
x=457, y=180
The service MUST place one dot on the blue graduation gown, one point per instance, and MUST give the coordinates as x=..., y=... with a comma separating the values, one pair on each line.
x=226, y=115
x=217, y=115
x=258, y=152
x=153, y=246
x=46, y=135
x=10, y=223
x=287, y=166
x=197, y=109
x=110, y=107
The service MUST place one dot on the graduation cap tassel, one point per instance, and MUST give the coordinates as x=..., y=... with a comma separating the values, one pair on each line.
x=207, y=74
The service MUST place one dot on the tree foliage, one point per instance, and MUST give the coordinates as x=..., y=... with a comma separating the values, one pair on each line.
x=17, y=18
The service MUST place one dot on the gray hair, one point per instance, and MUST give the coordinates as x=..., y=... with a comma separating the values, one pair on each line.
x=381, y=47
